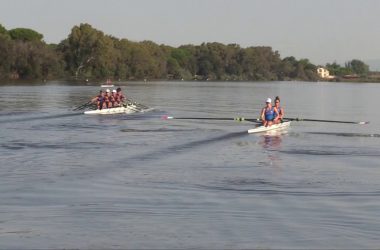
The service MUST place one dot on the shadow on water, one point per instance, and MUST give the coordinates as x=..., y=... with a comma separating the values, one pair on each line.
x=190, y=145
x=257, y=186
x=346, y=134
x=332, y=151
x=18, y=145
x=131, y=130
x=149, y=114
x=26, y=119
x=269, y=191
x=137, y=116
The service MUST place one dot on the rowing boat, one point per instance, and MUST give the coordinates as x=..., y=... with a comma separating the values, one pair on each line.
x=262, y=129
x=119, y=110
x=107, y=86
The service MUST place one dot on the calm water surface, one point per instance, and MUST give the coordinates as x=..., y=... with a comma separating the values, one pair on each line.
x=68, y=180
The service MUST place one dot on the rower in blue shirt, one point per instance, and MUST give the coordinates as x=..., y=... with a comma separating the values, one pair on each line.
x=268, y=113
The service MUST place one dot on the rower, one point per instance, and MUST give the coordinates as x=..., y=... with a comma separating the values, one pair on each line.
x=115, y=101
x=108, y=99
x=99, y=100
x=268, y=113
x=280, y=111
x=120, y=96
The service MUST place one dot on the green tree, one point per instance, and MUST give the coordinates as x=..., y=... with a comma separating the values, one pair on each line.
x=89, y=53
x=259, y=63
x=24, y=34
x=124, y=59
x=187, y=60
x=35, y=60
x=5, y=55
x=173, y=68
x=3, y=30
x=232, y=61
x=287, y=68
x=334, y=69
x=158, y=60
x=140, y=62
x=358, y=67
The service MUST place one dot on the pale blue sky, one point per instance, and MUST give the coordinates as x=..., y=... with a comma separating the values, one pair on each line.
x=322, y=31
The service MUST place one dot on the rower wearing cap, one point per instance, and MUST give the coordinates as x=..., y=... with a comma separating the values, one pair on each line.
x=114, y=101
x=268, y=113
x=107, y=99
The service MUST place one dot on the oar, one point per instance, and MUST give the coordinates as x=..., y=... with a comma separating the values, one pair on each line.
x=239, y=119
x=83, y=106
x=137, y=104
x=316, y=120
x=132, y=107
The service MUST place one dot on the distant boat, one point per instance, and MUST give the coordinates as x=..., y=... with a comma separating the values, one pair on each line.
x=108, y=84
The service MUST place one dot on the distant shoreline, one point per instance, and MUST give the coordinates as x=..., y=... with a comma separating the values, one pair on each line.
x=101, y=57
x=125, y=82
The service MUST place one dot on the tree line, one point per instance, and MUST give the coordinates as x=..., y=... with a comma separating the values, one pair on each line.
x=88, y=53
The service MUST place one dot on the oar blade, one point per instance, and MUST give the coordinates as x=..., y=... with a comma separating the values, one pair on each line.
x=363, y=123
x=165, y=117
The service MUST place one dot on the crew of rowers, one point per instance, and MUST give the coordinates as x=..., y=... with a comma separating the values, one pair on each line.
x=269, y=114
x=272, y=114
x=107, y=99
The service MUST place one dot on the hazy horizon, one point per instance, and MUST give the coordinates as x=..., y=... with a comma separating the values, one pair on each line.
x=326, y=31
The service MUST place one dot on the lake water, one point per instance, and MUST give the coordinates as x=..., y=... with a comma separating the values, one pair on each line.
x=69, y=180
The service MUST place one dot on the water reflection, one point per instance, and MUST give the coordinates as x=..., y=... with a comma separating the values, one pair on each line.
x=272, y=145
x=271, y=142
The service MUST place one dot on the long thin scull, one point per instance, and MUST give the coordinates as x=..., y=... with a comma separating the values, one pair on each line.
x=262, y=129
x=119, y=110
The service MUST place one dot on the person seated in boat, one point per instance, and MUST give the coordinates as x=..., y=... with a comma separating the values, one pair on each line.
x=112, y=100
x=117, y=97
x=115, y=100
x=268, y=113
x=108, y=99
x=120, y=96
x=280, y=111
x=99, y=99
x=106, y=103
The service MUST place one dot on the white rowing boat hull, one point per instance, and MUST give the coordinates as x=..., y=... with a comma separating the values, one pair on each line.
x=274, y=127
x=119, y=110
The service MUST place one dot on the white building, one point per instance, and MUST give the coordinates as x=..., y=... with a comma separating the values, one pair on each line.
x=324, y=73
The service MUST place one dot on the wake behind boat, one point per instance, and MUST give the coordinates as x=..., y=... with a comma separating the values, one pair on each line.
x=273, y=127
